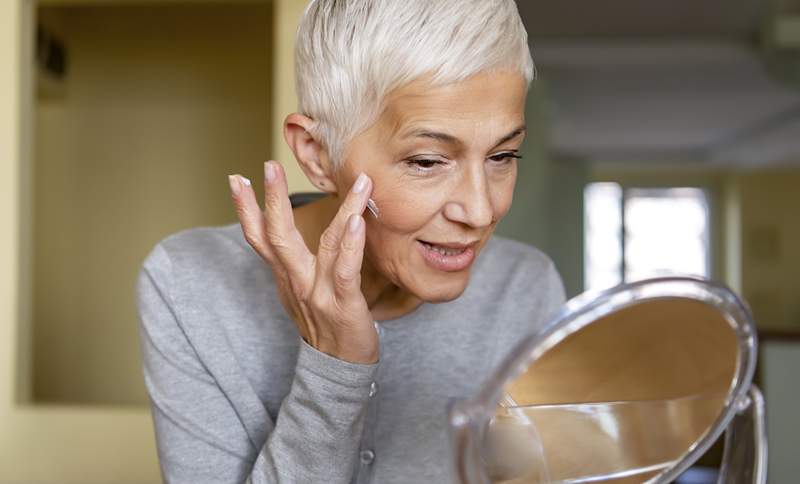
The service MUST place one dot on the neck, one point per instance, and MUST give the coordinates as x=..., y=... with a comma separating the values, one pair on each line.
x=385, y=299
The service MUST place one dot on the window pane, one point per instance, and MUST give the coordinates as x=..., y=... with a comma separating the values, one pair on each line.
x=603, y=232
x=666, y=233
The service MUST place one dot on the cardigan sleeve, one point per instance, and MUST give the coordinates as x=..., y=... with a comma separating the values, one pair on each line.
x=199, y=435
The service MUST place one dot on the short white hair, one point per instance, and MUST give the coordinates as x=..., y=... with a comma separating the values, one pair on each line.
x=349, y=54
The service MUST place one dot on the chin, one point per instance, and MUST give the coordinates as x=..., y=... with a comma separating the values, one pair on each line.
x=441, y=292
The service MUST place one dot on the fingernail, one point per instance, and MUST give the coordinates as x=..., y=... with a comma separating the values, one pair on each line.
x=269, y=172
x=234, y=183
x=361, y=183
x=354, y=223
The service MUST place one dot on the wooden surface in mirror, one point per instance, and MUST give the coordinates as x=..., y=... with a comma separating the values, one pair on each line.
x=654, y=350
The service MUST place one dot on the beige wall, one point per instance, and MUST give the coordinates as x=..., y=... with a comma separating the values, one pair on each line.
x=287, y=15
x=770, y=208
x=10, y=155
x=160, y=103
x=101, y=443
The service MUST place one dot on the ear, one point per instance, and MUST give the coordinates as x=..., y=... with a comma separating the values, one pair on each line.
x=313, y=158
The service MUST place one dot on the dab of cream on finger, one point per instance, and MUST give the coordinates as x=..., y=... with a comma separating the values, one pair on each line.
x=373, y=208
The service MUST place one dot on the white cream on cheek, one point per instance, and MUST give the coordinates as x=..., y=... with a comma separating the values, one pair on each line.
x=373, y=208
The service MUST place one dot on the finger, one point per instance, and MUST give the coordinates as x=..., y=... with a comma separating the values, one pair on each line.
x=282, y=236
x=250, y=217
x=354, y=203
x=347, y=269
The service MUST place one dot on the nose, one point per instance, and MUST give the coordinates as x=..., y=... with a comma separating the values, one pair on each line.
x=471, y=202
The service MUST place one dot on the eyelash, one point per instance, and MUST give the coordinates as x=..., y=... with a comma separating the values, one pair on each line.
x=507, y=156
x=500, y=157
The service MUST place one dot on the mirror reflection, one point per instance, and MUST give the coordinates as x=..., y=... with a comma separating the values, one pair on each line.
x=625, y=396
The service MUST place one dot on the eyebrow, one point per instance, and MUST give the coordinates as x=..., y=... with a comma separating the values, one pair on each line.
x=450, y=139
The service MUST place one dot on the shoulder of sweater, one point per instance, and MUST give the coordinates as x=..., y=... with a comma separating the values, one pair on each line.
x=511, y=270
x=202, y=238
x=216, y=248
x=508, y=256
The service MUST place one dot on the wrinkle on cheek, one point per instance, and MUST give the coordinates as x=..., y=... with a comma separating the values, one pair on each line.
x=403, y=209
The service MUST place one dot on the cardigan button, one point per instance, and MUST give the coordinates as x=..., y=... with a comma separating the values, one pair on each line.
x=367, y=456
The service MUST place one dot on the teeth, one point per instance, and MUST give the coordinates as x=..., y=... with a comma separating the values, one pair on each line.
x=443, y=250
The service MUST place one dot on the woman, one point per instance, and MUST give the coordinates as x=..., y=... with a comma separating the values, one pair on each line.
x=322, y=343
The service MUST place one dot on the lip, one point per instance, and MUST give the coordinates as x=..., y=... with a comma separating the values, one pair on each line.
x=451, y=245
x=448, y=263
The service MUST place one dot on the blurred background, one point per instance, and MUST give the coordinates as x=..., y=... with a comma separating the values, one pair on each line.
x=664, y=138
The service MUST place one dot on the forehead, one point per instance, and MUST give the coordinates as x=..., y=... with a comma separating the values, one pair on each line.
x=494, y=100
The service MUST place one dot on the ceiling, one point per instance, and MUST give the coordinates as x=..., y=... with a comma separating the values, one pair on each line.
x=641, y=18
x=644, y=82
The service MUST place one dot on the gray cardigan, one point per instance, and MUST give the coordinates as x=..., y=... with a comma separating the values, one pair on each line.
x=237, y=396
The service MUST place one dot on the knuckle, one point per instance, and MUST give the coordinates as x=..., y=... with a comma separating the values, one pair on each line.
x=257, y=244
x=341, y=307
x=328, y=240
x=272, y=199
x=276, y=239
x=251, y=239
x=302, y=297
x=317, y=304
x=344, y=278
x=300, y=292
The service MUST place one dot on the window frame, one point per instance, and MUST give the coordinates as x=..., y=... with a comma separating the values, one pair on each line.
x=708, y=179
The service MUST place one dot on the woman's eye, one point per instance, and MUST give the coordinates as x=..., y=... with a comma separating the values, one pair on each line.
x=424, y=165
x=505, y=157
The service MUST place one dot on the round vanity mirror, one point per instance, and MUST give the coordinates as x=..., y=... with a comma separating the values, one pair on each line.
x=630, y=385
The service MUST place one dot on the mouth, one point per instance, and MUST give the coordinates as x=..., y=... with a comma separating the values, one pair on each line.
x=447, y=256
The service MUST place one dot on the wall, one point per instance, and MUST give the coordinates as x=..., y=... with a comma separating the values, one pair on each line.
x=58, y=443
x=11, y=143
x=287, y=16
x=160, y=103
x=770, y=211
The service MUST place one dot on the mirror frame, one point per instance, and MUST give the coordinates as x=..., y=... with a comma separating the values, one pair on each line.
x=469, y=418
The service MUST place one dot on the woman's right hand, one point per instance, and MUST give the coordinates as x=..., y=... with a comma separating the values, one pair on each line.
x=321, y=292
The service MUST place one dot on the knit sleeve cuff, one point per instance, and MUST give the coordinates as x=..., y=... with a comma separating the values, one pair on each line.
x=333, y=372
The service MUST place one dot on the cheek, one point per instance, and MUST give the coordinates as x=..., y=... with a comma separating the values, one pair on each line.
x=502, y=193
x=405, y=208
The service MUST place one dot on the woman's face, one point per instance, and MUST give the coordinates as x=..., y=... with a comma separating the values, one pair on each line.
x=442, y=161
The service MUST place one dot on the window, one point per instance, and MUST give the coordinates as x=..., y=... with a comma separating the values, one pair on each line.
x=639, y=233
